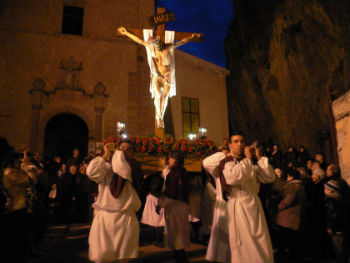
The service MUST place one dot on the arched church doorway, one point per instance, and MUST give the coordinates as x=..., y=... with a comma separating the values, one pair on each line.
x=63, y=133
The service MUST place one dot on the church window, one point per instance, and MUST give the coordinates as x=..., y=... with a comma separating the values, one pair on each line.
x=190, y=116
x=72, y=22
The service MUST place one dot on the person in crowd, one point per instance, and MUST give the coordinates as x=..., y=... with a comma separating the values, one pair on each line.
x=75, y=159
x=65, y=193
x=320, y=157
x=278, y=184
x=38, y=160
x=28, y=166
x=174, y=200
x=333, y=173
x=224, y=145
x=337, y=219
x=62, y=170
x=316, y=225
x=276, y=157
x=15, y=183
x=81, y=193
x=54, y=167
x=307, y=183
x=36, y=198
x=309, y=163
x=267, y=151
x=240, y=179
x=225, y=150
x=318, y=174
x=155, y=219
x=114, y=233
x=195, y=199
x=91, y=155
x=290, y=217
x=291, y=157
x=276, y=197
x=303, y=156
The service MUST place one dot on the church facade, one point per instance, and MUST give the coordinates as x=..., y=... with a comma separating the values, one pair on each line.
x=63, y=57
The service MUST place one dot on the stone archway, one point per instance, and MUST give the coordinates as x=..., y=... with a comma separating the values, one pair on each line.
x=63, y=132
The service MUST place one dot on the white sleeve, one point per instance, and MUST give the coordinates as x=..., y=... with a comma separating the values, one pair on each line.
x=120, y=166
x=97, y=170
x=212, y=162
x=237, y=173
x=265, y=172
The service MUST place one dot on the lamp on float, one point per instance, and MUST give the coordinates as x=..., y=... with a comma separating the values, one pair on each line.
x=202, y=132
x=121, y=128
x=192, y=136
x=124, y=135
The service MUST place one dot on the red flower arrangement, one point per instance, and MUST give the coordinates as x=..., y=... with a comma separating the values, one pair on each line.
x=154, y=145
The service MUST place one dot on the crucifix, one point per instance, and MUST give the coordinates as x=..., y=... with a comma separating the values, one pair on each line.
x=160, y=55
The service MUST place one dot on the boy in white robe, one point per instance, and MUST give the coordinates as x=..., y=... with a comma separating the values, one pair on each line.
x=239, y=181
x=114, y=233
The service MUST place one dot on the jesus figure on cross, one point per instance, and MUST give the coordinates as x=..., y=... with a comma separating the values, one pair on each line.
x=162, y=67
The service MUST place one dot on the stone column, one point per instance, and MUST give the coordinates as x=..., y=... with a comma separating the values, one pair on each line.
x=38, y=93
x=99, y=96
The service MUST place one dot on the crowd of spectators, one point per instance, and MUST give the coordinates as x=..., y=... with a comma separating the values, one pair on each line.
x=307, y=207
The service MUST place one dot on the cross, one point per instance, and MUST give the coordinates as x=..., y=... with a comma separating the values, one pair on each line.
x=160, y=29
x=159, y=21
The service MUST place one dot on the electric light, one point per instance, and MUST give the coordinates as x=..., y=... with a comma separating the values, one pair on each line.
x=202, y=132
x=121, y=127
x=191, y=136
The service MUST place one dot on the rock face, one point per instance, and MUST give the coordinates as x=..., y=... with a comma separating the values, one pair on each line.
x=284, y=57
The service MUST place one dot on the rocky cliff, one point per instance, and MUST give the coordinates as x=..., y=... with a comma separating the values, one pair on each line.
x=284, y=57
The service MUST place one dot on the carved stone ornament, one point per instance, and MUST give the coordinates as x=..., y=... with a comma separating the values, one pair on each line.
x=71, y=73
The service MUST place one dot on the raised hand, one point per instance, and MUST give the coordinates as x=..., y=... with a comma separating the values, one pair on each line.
x=196, y=36
x=122, y=30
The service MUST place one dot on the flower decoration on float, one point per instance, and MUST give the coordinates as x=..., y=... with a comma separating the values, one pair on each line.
x=154, y=146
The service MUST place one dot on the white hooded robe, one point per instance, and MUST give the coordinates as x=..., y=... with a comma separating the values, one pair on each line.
x=114, y=233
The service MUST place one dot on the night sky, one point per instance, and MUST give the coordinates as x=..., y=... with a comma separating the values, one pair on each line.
x=211, y=17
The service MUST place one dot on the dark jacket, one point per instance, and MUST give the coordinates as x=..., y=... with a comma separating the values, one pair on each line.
x=177, y=184
x=336, y=214
x=276, y=160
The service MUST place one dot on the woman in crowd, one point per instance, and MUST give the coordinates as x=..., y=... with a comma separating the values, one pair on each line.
x=290, y=216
